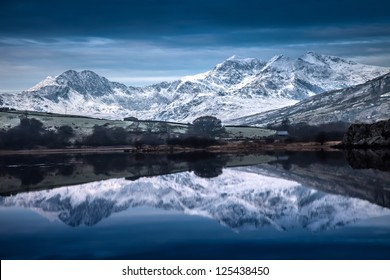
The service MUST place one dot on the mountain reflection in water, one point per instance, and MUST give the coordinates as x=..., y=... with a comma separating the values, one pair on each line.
x=313, y=192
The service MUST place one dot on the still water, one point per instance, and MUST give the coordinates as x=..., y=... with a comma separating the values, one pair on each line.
x=301, y=205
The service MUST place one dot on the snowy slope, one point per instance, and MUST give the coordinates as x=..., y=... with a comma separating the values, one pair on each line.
x=368, y=102
x=79, y=93
x=235, y=88
x=238, y=199
x=238, y=86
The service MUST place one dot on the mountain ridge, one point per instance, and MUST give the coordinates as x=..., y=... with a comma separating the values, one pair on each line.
x=234, y=88
x=368, y=102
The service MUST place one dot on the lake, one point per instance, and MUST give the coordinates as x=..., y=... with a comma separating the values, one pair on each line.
x=275, y=205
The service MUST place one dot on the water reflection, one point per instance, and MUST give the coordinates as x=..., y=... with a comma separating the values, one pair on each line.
x=27, y=173
x=368, y=158
x=314, y=191
x=200, y=206
x=239, y=199
x=329, y=172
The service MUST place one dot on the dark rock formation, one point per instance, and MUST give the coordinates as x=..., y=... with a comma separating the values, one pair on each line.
x=368, y=135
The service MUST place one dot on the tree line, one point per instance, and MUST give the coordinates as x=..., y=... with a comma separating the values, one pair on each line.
x=31, y=133
x=304, y=132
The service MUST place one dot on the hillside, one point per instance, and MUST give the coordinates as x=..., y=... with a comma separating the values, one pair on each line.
x=367, y=103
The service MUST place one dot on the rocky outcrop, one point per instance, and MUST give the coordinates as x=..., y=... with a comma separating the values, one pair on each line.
x=368, y=135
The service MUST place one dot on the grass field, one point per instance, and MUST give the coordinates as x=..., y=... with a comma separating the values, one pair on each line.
x=83, y=126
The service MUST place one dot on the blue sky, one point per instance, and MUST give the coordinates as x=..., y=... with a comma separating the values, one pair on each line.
x=147, y=41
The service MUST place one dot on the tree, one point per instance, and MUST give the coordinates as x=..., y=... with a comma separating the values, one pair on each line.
x=285, y=123
x=64, y=133
x=102, y=136
x=207, y=125
x=321, y=137
x=26, y=135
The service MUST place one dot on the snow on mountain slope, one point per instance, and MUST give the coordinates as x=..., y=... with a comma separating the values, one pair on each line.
x=238, y=199
x=368, y=102
x=234, y=88
x=80, y=93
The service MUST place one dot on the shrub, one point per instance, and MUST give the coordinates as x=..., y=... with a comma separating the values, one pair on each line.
x=102, y=136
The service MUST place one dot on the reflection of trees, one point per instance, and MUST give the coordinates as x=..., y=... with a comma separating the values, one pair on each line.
x=208, y=165
x=322, y=156
x=204, y=165
x=26, y=173
x=104, y=164
x=206, y=171
x=29, y=170
x=31, y=175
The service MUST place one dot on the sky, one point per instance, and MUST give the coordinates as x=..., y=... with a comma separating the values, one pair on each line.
x=139, y=42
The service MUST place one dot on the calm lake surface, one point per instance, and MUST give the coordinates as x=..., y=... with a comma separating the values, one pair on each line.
x=296, y=205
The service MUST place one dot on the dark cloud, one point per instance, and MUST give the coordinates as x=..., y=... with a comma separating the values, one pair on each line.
x=154, y=39
x=143, y=18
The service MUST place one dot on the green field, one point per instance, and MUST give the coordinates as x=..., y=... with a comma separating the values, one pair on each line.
x=83, y=126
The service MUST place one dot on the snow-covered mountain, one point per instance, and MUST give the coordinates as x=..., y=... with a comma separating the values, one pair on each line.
x=234, y=88
x=239, y=199
x=368, y=102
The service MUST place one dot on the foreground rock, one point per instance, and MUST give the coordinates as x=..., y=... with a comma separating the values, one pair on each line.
x=368, y=135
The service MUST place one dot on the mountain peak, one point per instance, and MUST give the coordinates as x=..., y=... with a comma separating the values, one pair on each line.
x=315, y=58
x=68, y=78
x=85, y=82
x=69, y=72
x=240, y=59
x=73, y=74
x=281, y=62
x=314, y=54
x=312, y=57
x=236, y=62
x=280, y=59
x=48, y=81
x=234, y=57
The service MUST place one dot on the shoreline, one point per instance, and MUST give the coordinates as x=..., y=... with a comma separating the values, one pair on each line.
x=230, y=147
